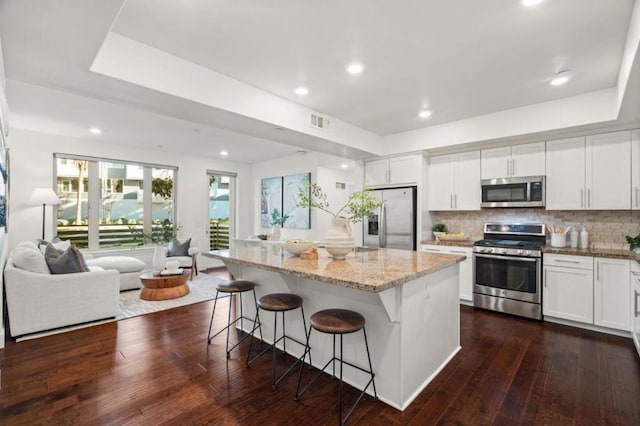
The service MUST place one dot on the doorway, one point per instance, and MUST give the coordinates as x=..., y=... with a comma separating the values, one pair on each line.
x=221, y=215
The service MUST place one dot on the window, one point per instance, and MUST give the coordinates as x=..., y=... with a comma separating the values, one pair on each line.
x=117, y=188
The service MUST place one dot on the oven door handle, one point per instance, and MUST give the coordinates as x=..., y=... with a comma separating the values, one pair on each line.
x=524, y=259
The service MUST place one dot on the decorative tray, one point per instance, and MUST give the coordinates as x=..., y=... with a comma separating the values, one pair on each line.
x=178, y=271
x=453, y=238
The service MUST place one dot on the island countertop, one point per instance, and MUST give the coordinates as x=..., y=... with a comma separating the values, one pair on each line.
x=373, y=271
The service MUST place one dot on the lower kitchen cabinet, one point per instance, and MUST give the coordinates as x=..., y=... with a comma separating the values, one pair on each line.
x=568, y=288
x=466, y=268
x=611, y=293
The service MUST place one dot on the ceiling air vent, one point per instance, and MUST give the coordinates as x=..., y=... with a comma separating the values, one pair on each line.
x=319, y=122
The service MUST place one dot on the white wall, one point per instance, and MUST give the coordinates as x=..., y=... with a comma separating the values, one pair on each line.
x=31, y=165
x=325, y=171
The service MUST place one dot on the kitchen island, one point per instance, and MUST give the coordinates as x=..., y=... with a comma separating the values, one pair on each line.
x=409, y=300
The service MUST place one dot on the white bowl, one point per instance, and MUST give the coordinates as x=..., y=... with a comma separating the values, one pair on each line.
x=172, y=265
x=296, y=247
x=338, y=252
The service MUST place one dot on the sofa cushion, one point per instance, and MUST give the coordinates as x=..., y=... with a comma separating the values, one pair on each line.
x=29, y=259
x=28, y=244
x=122, y=264
x=67, y=262
x=177, y=248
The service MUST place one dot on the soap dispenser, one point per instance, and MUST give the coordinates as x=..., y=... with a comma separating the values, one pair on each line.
x=584, y=238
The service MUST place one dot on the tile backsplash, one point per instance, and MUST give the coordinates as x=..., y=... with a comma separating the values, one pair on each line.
x=607, y=228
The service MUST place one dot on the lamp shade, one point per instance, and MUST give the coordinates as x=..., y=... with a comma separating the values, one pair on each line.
x=40, y=196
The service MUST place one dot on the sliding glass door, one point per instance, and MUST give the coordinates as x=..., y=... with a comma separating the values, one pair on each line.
x=221, y=218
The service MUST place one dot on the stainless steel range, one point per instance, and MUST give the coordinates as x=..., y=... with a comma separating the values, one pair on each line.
x=507, y=269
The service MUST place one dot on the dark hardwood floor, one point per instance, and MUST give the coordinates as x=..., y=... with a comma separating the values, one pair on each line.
x=158, y=369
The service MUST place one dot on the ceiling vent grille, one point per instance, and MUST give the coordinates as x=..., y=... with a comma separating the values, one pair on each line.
x=319, y=122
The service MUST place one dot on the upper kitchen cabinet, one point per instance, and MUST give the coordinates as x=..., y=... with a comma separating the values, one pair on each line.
x=635, y=169
x=513, y=161
x=590, y=173
x=392, y=171
x=454, y=181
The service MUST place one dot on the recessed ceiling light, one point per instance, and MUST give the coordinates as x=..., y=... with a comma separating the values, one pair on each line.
x=224, y=153
x=95, y=130
x=561, y=78
x=301, y=91
x=344, y=165
x=531, y=2
x=355, y=68
x=425, y=113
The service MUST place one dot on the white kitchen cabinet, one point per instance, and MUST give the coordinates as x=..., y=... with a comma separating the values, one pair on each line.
x=568, y=288
x=635, y=304
x=454, y=181
x=392, y=171
x=589, y=173
x=513, y=161
x=611, y=293
x=635, y=169
x=466, y=268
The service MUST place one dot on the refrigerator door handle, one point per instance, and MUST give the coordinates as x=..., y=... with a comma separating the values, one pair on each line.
x=382, y=232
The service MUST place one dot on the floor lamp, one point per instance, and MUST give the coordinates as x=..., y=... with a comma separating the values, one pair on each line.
x=43, y=196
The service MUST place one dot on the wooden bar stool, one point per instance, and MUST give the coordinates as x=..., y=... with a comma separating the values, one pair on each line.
x=235, y=287
x=281, y=302
x=339, y=322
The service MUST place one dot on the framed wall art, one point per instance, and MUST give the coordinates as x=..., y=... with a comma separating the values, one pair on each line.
x=299, y=217
x=270, y=199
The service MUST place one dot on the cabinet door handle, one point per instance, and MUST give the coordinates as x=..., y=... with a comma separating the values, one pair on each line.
x=455, y=200
x=508, y=168
x=513, y=167
x=458, y=251
x=636, y=189
x=635, y=303
x=598, y=270
x=567, y=261
x=581, y=198
x=545, y=278
x=588, y=197
x=451, y=200
x=431, y=249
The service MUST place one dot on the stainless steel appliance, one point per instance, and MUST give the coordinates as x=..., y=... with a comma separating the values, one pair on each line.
x=395, y=224
x=513, y=192
x=635, y=293
x=507, y=269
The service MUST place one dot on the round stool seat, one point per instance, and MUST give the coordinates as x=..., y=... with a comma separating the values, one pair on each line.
x=337, y=321
x=238, y=286
x=280, y=302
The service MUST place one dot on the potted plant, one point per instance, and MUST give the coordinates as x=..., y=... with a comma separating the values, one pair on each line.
x=634, y=243
x=361, y=204
x=439, y=229
x=160, y=236
x=277, y=222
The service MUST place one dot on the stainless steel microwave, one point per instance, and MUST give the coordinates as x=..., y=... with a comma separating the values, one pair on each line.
x=513, y=192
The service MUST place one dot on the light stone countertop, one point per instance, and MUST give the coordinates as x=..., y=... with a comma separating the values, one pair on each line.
x=372, y=272
x=464, y=243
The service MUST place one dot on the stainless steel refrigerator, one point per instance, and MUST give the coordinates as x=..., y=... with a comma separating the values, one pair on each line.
x=394, y=226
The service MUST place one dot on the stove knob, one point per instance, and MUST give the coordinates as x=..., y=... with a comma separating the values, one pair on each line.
x=520, y=251
x=527, y=252
x=503, y=251
x=490, y=250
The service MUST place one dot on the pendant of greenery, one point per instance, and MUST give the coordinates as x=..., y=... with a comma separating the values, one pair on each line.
x=361, y=204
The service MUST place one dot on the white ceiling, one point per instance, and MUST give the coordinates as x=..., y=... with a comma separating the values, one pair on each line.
x=460, y=58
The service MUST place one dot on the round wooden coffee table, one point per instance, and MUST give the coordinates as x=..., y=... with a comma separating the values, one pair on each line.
x=162, y=287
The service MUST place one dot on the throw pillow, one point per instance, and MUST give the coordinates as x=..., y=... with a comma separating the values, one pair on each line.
x=176, y=248
x=56, y=242
x=68, y=262
x=29, y=259
x=28, y=244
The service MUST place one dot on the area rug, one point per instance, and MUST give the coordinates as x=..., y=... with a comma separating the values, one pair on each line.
x=202, y=288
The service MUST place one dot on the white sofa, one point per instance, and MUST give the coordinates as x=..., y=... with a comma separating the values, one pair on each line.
x=129, y=269
x=38, y=301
